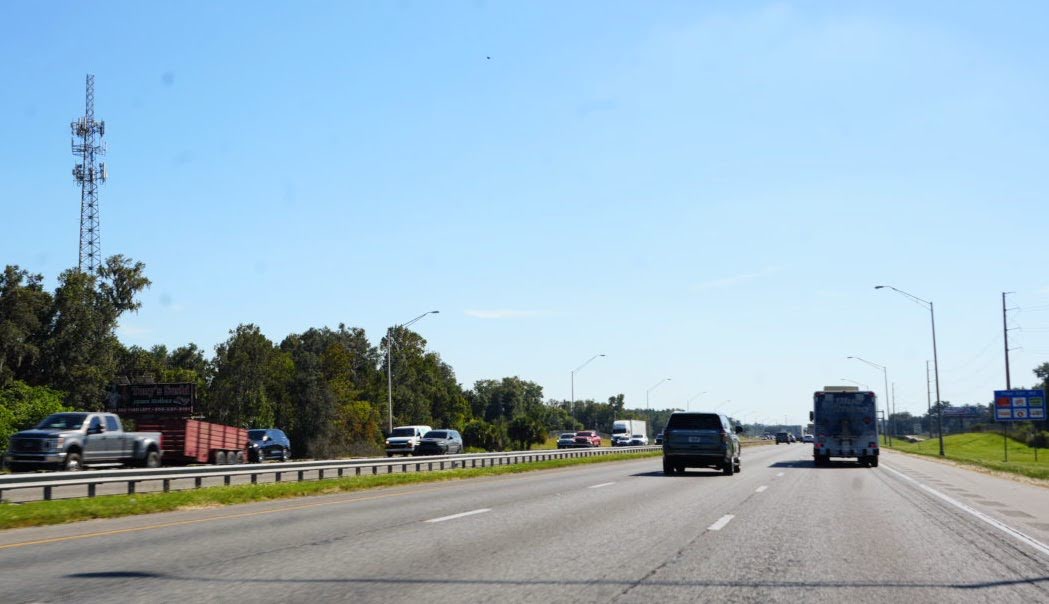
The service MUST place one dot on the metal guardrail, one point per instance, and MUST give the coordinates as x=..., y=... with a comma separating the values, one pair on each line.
x=92, y=479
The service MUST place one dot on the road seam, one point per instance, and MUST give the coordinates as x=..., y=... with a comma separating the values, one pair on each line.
x=1001, y=526
x=720, y=524
x=461, y=515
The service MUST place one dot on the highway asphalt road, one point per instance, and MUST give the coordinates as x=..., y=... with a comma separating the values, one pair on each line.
x=782, y=530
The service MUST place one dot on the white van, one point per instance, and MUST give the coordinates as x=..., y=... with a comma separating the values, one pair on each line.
x=404, y=439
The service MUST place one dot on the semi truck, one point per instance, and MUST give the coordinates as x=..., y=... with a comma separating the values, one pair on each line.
x=844, y=425
x=624, y=429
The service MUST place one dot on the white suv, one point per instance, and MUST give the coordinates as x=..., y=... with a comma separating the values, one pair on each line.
x=404, y=439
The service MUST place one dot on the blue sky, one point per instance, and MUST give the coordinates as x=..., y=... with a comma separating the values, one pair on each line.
x=701, y=191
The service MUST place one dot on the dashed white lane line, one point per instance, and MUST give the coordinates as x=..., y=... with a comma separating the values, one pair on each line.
x=720, y=524
x=1005, y=528
x=760, y=489
x=603, y=484
x=454, y=516
x=780, y=474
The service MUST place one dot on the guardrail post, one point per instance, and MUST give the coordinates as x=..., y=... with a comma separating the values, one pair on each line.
x=197, y=482
x=375, y=469
x=167, y=485
x=340, y=472
x=301, y=474
x=131, y=487
x=276, y=476
x=358, y=468
x=404, y=468
x=254, y=479
x=429, y=467
x=91, y=490
x=418, y=467
x=320, y=474
x=47, y=493
x=226, y=479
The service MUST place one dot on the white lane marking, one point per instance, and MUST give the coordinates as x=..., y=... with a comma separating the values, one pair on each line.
x=720, y=524
x=1005, y=528
x=760, y=489
x=780, y=474
x=454, y=516
x=603, y=484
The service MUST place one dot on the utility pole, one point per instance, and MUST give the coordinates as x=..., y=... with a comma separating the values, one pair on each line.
x=1008, y=379
x=928, y=398
x=895, y=433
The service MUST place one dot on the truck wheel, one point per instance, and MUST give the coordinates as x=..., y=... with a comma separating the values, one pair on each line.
x=72, y=463
x=239, y=457
x=285, y=455
x=668, y=468
x=874, y=461
x=729, y=469
x=220, y=458
x=152, y=459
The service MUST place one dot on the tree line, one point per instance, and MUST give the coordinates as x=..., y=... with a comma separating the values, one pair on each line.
x=325, y=387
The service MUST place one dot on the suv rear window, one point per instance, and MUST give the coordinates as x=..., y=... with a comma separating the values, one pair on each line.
x=694, y=421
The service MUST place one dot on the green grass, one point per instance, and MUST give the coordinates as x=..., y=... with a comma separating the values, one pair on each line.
x=39, y=513
x=983, y=449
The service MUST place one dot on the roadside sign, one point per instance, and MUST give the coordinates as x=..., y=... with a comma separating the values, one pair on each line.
x=1019, y=405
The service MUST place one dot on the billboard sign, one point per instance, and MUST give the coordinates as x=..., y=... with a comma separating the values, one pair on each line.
x=1019, y=405
x=168, y=399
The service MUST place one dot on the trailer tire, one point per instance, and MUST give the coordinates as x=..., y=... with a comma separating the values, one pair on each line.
x=219, y=458
x=239, y=457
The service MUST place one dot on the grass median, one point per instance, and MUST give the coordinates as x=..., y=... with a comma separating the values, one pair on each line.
x=983, y=449
x=40, y=513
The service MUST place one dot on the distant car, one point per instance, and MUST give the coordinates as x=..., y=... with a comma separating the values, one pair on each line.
x=807, y=438
x=783, y=437
x=792, y=438
x=638, y=440
x=566, y=440
x=659, y=438
x=440, y=442
x=268, y=443
x=587, y=438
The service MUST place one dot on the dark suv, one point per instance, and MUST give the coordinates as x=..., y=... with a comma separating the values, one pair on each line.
x=268, y=443
x=439, y=442
x=700, y=440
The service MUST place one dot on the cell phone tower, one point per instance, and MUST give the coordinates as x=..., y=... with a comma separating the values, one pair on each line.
x=86, y=145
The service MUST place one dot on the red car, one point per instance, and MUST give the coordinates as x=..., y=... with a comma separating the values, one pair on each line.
x=587, y=438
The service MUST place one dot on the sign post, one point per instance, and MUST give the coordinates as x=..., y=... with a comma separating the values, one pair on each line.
x=1017, y=406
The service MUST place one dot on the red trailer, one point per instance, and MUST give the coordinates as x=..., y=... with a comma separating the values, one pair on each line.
x=186, y=441
x=168, y=409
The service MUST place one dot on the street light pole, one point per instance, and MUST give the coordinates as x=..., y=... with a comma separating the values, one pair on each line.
x=389, y=363
x=579, y=368
x=688, y=403
x=885, y=375
x=935, y=356
x=657, y=384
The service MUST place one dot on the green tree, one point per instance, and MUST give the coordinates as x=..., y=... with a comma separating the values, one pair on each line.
x=507, y=398
x=250, y=375
x=484, y=435
x=23, y=406
x=81, y=350
x=24, y=311
x=525, y=431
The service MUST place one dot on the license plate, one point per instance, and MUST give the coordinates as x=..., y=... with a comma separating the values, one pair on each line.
x=695, y=439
